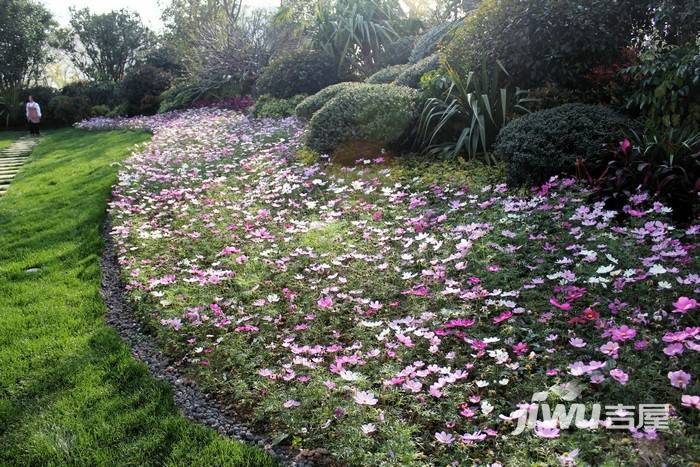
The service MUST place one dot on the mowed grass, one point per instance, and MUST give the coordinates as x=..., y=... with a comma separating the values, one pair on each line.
x=70, y=393
x=9, y=137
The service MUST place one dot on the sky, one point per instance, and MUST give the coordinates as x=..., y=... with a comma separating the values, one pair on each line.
x=148, y=9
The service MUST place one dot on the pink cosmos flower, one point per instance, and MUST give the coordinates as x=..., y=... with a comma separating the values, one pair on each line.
x=619, y=376
x=690, y=401
x=469, y=438
x=325, y=302
x=577, y=342
x=625, y=146
x=365, y=398
x=674, y=349
x=444, y=438
x=623, y=333
x=679, y=379
x=502, y=317
x=547, y=429
x=520, y=348
x=684, y=304
x=561, y=306
x=291, y=403
x=610, y=348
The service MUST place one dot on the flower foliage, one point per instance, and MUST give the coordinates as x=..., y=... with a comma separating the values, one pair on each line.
x=395, y=320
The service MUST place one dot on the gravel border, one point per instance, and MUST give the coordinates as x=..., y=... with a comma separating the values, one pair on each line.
x=193, y=403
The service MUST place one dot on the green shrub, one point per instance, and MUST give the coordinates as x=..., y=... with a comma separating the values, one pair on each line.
x=546, y=143
x=397, y=52
x=69, y=109
x=118, y=111
x=364, y=112
x=299, y=72
x=41, y=94
x=99, y=110
x=545, y=41
x=141, y=88
x=306, y=108
x=267, y=106
x=667, y=87
x=96, y=92
x=386, y=75
x=428, y=43
x=411, y=76
x=177, y=97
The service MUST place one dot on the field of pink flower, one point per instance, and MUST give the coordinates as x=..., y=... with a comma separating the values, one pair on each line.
x=396, y=314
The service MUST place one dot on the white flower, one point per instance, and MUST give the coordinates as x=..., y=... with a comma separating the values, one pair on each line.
x=486, y=407
x=365, y=398
x=348, y=375
x=657, y=269
x=368, y=428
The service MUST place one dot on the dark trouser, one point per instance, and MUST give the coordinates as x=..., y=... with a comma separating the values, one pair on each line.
x=33, y=128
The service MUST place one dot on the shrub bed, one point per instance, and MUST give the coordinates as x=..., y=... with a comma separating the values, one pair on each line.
x=365, y=112
x=306, y=108
x=299, y=72
x=267, y=106
x=411, y=76
x=387, y=75
x=546, y=143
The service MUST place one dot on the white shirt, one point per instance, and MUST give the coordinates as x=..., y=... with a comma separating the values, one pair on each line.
x=34, y=105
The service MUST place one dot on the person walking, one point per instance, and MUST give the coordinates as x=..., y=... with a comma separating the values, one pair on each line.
x=33, y=116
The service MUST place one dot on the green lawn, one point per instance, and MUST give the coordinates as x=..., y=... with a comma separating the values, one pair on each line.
x=70, y=393
x=9, y=137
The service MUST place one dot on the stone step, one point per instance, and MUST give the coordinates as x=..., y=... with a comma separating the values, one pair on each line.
x=10, y=166
x=13, y=159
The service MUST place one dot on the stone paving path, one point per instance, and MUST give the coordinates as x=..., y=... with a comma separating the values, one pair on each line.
x=12, y=158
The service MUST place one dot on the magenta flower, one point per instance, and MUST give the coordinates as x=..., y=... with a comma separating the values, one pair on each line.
x=623, y=333
x=679, y=379
x=674, y=349
x=562, y=306
x=625, y=146
x=684, y=304
x=325, y=302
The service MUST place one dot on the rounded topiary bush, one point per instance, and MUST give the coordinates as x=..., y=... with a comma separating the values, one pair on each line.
x=298, y=72
x=365, y=112
x=411, y=75
x=546, y=143
x=386, y=75
x=306, y=108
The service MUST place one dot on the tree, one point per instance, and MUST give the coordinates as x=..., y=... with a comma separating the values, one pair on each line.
x=25, y=28
x=356, y=31
x=103, y=46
